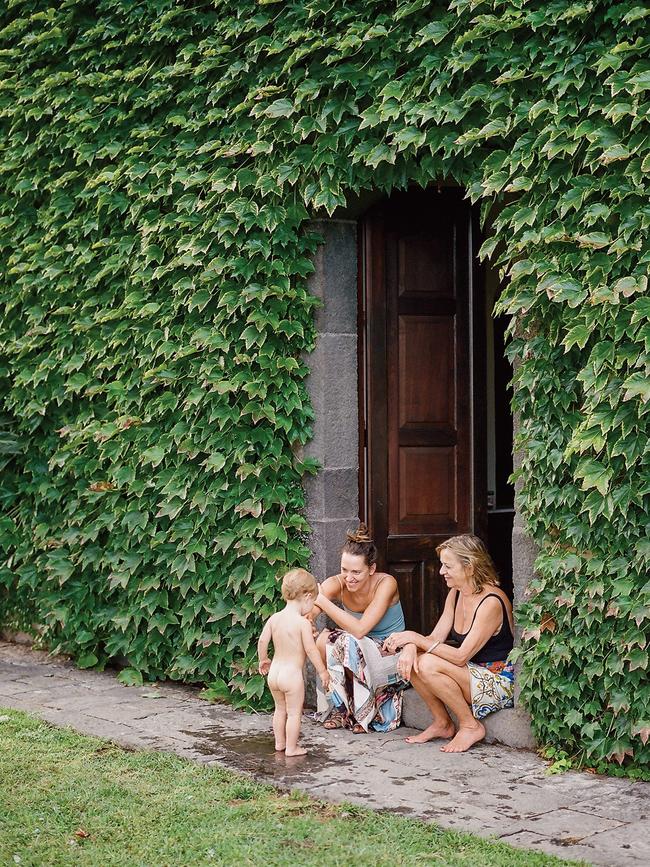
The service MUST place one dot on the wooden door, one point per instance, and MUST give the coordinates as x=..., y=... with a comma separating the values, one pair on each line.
x=422, y=478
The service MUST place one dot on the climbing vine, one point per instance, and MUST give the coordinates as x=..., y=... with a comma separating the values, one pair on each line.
x=159, y=163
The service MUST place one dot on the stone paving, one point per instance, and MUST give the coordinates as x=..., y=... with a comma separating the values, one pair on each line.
x=492, y=791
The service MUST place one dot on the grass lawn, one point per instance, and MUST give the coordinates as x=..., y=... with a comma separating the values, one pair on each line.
x=66, y=799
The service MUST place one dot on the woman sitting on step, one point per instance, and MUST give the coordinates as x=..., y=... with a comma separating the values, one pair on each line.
x=462, y=666
x=366, y=690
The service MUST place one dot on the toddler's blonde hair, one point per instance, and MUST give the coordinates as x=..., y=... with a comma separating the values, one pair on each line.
x=298, y=582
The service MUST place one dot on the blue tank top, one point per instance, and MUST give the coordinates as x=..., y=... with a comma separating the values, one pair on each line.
x=392, y=621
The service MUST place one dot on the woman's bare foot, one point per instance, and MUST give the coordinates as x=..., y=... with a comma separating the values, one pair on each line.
x=298, y=751
x=435, y=730
x=279, y=749
x=465, y=737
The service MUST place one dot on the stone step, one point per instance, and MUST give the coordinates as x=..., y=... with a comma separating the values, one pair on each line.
x=510, y=727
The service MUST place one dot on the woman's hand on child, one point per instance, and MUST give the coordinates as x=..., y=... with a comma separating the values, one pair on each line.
x=326, y=680
x=264, y=667
x=311, y=617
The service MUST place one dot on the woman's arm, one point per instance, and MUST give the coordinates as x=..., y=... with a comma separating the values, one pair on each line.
x=370, y=617
x=486, y=623
x=423, y=642
x=397, y=640
x=329, y=589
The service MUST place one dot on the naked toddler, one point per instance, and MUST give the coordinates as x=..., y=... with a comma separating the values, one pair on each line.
x=291, y=634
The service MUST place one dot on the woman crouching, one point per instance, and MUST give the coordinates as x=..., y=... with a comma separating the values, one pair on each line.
x=475, y=677
x=366, y=690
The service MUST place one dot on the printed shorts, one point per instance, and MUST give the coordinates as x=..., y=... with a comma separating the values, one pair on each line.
x=492, y=686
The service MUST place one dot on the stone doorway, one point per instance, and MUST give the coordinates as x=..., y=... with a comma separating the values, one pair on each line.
x=337, y=495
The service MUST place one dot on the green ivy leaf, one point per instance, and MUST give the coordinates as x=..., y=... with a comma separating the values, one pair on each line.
x=408, y=136
x=594, y=240
x=87, y=660
x=577, y=336
x=380, y=153
x=154, y=455
x=130, y=677
x=594, y=475
x=215, y=462
x=280, y=108
x=637, y=385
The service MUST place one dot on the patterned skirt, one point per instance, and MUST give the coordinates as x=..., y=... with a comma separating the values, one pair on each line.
x=492, y=686
x=365, y=684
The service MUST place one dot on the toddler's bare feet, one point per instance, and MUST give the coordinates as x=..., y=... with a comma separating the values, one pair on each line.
x=435, y=730
x=297, y=751
x=464, y=739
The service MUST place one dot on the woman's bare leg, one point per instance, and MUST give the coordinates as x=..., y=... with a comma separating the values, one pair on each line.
x=451, y=684
x=470, y=730
x=442, y=725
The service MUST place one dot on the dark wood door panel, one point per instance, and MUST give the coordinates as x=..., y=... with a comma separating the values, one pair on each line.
x=421, y=592
x=409, y=580
x=427, y=483
x=420, y=488
x=424, y=264
x=426, y=378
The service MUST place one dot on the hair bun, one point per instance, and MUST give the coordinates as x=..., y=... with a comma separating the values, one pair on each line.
x=361, y=534
x=359, y=544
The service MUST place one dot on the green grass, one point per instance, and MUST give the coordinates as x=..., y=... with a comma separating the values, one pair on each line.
x=141, y=808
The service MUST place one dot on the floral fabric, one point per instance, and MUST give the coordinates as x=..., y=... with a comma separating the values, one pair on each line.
x=372, y=691
x=492, y=686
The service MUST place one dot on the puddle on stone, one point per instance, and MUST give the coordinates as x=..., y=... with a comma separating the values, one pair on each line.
x=256, y=754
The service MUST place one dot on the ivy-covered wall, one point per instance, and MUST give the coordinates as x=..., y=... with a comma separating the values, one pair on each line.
x=158, y=163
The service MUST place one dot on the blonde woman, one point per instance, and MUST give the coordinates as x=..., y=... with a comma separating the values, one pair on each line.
x=470, y=676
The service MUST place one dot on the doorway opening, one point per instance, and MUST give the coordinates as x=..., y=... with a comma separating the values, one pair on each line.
x=435, y=421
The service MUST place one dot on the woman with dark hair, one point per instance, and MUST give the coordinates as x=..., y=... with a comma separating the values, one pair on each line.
x=462, y=666
x=366, y=690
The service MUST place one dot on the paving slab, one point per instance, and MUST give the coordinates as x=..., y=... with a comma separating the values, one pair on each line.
x=9, y=687
x=552, y=846
x=491, y=790
x=565, y=824
x=631, y=842
x=628, y=804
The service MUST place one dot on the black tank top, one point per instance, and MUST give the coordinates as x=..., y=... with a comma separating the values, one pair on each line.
x=498, y=646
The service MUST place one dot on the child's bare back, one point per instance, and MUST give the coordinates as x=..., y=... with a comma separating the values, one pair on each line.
x=289, y=651
x=292, y=638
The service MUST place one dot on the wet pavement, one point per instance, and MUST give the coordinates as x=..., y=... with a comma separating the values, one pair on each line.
x=492, y=791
